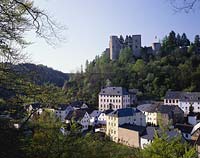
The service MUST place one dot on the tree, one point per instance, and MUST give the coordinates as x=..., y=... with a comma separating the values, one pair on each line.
x=184, y=40
x=125, y=56
x=16, y=18
x=197, y=41
x=184, y=5
x=163, y=147
x=178, y=40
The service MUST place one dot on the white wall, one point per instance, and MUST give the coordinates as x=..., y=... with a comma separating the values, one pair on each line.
x=144, y=142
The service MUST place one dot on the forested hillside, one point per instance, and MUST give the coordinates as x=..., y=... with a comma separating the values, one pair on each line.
x=41, y=74
x=176, y=66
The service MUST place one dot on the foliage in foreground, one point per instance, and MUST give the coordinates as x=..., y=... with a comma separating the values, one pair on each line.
x=162, y=147
x=45, y=140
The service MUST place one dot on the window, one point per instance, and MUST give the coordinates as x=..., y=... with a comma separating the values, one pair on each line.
x=173, y=101
x=166, y=101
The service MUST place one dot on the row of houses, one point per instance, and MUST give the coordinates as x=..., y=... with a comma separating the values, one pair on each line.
x=124, y=122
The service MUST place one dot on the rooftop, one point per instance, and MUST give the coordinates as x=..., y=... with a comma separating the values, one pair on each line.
x=76, y=115
x=113, y=91
x=183, y=96
x=151, y=131
x=185, y=128
x=140, y=129
x=124, y=112
x=148, y=107
x=169, y=109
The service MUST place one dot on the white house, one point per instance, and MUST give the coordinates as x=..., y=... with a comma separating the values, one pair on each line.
x=150, y=112
x=184, y=100
x=102, y=116
x=79, y=105
x=35, y=107
x=94, y=117
x=115, y=98
x=119, y=117
x=62, y=111
x=80, y=116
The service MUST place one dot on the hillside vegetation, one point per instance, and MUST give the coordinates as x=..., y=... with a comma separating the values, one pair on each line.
x=176, y=66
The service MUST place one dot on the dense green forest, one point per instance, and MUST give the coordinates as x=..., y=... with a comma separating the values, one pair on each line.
x=40, y=74
x=176, y=66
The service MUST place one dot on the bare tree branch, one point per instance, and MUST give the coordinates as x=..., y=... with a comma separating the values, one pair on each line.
x=16, y=18
x=184, y=5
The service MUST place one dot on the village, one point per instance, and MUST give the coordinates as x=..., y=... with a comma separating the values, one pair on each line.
x=134, y=123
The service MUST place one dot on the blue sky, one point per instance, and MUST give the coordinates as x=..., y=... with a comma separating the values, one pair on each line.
x=90, y=23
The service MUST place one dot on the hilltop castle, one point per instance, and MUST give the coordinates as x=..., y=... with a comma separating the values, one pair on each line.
x=133, y=42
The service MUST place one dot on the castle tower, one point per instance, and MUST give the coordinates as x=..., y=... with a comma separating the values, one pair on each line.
x=115, y=47
x=136, y=45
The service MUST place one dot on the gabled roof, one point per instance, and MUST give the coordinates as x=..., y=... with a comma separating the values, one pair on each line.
x=183, y=96
x=148, y=107
x=108, y=111
x=139, y=129
x=151, y=132
x=160, y=108
x=169, y=109
x=124, y=112
x=62, y=107
x=76, y=115
x=113, y=91
x=95, y=113
x=77, y=104
x=184, y=128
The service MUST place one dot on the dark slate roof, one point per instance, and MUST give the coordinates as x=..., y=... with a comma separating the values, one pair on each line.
x=77, y=103
x=89, y=110
x=139, y=129
x=95, y=113
x=185, y=128
x=108, y=111
x=62, y=106
x=76, y=115
x=114, y=91
x=169, y=109
x=183, y=96
x=148, y=107
x=124, y=112
x=154, y=107
x=151, y=131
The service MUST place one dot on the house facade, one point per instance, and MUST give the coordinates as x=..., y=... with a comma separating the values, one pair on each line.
x=157, y=113
x=150, y=112
x=62, y=111
x=115, y=98
x=94, y=117
x=130, y=135
x=123, y=116
x=79, y=116
x=102, y=116
x=184, y=100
